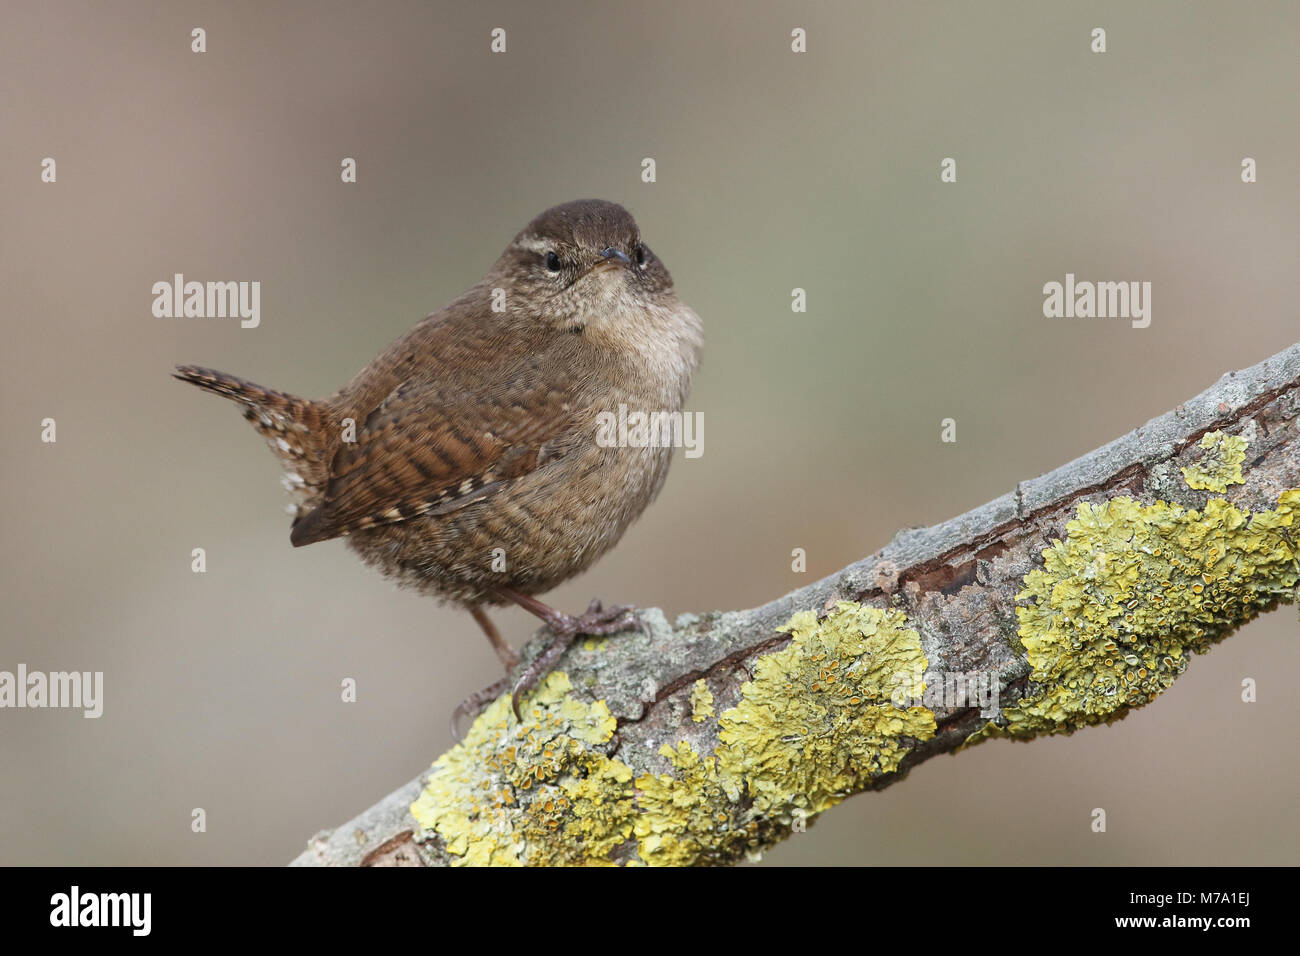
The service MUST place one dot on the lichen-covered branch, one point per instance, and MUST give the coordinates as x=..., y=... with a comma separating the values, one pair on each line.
x=1064, y=603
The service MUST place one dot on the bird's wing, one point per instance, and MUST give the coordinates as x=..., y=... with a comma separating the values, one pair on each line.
x=433, y=446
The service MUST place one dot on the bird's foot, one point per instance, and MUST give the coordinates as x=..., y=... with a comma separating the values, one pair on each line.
x=596, y=621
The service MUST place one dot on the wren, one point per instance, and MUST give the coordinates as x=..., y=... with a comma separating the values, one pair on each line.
x=464, y=460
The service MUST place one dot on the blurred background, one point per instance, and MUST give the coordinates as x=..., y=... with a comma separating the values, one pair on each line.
x=775, y=170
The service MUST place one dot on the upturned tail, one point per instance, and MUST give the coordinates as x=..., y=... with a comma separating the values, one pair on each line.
x=290, y=425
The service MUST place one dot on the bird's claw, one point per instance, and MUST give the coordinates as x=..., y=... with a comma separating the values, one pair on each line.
x=474, y=704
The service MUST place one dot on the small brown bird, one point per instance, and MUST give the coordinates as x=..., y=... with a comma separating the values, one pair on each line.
x=465, y=460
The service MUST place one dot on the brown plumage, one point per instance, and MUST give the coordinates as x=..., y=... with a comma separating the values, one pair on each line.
x=475, y=432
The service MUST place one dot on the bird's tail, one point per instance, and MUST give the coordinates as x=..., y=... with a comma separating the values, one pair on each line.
x=290, y=425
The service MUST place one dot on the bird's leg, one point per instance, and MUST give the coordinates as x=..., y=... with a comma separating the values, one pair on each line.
x=596, y=620
x=508, y=656
x=473, y=705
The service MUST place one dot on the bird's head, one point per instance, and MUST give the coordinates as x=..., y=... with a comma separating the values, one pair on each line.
x=583, y=266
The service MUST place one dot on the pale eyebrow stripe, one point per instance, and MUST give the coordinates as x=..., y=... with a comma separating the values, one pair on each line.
x=534, y=244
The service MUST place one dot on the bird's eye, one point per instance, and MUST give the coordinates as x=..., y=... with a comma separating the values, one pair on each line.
x=640, y=254
x=552, y=262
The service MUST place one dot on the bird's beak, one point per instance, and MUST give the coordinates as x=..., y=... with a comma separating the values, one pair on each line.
x=611, y=258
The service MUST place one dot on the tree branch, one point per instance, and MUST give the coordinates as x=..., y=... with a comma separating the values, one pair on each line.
x=1064, y=603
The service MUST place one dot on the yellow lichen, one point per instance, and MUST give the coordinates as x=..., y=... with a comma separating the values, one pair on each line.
x=701, y=702
x=500, y=796
x=1119, y=604
x=687, y=818
x=814, y=725
x=1221, y=464
x=817, y=722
